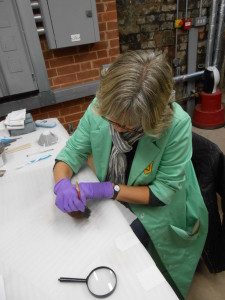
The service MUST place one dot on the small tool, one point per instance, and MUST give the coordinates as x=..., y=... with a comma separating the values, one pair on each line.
x=87, y=211
x=78, y=190
x=8, y=140
x=34, y=160
x=101, y=281
x=39, y=152
x=79, y=214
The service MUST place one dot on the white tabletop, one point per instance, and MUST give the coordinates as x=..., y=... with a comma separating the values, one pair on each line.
x=39, y=243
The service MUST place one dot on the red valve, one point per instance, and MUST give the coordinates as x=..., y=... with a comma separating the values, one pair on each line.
x=187, y=24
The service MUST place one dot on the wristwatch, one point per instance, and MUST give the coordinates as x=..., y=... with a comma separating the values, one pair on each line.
x=116, y=191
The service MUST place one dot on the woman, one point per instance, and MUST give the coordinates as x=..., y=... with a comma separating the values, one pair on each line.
x=142, y=147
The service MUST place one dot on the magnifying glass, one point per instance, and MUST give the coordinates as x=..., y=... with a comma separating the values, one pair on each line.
x=101, y=281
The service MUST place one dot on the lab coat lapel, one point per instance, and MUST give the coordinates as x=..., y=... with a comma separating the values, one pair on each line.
x=146, y=152
x=102, y=144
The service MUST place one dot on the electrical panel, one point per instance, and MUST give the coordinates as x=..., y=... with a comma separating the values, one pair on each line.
x=16, y=70
x=200, y=21
x=69, y=22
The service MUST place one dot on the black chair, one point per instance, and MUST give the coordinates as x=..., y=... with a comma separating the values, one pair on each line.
x=209, y=164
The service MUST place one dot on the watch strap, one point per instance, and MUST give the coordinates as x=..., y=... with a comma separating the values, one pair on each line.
x=116, y=192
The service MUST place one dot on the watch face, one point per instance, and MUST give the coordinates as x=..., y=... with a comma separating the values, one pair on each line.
x=117, y=188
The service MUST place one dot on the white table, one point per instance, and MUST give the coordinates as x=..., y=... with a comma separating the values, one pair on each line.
x=39, y=243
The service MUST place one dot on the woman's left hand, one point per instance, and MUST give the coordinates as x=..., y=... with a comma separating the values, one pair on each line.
x=97, y=190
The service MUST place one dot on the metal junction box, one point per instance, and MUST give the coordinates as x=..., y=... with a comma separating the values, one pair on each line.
x=69, y=22
x=16, y=69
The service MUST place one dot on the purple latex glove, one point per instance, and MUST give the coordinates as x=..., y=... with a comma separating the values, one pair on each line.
x=67, y=199
x=97, y=190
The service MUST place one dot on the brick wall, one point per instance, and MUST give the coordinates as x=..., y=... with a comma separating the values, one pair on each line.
x=141, y=24
x=146, y=24
x=80, y=64
x=149, y=24
x=68, y=112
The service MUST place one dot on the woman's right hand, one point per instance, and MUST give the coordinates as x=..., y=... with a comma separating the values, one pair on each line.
x=67, y=199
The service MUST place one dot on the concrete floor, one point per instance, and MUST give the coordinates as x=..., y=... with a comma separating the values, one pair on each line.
x=205, y=285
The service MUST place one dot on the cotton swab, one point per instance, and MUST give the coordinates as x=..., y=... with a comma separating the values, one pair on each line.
x=39, y=152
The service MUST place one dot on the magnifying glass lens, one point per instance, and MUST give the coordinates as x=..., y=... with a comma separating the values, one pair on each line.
x=101, y=282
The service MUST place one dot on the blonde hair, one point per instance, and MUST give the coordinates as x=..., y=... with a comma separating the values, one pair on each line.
x=137, y=89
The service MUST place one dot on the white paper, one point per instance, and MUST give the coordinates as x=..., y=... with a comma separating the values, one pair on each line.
x=126, y=241
x=39, y=243
x=17, y=115
x=127, y=213
x=150, y=278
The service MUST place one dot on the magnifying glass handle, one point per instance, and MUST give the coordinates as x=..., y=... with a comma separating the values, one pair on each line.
x=68, y=279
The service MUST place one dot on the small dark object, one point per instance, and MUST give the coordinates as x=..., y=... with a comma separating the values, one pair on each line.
x=80, y=214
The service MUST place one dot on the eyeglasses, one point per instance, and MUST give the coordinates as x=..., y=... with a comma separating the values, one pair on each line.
x=137, y=130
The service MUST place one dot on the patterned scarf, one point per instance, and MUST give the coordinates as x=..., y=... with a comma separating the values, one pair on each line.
x=122, y=143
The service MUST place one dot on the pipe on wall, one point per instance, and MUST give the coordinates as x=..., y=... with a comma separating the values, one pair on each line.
x=35, y=5
x=188, y=76
x=176, y=60
x=200, y=8
x=211, y=33
x=219, y=36
x=186, y=10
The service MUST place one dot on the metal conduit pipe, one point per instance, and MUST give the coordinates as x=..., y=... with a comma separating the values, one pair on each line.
x=200, y=8
x=34, y=5
x=176, y=60
x=186, y=10
x=188, y=76
x=41, y=31
x=186, y=98
x=211, y=33
x=177, y=15
x=38, y=18
x=219, y=35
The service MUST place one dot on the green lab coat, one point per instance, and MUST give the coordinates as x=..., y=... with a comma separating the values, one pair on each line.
x=179, y=228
